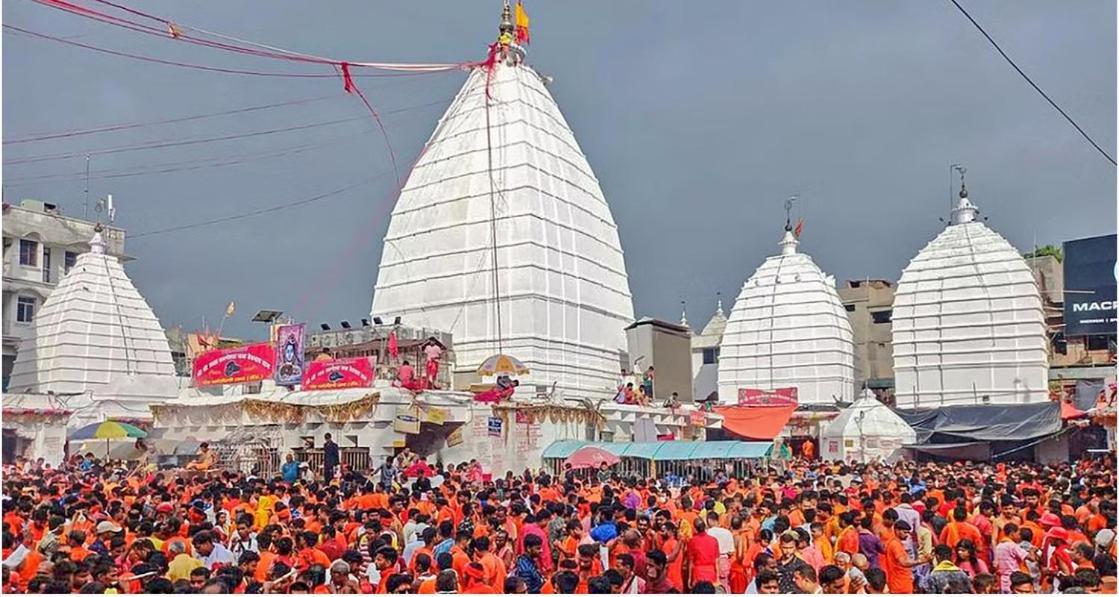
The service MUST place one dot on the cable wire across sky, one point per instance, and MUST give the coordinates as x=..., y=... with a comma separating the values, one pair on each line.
x=994, y=43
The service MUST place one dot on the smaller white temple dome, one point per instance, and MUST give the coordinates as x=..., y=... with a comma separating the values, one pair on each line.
x=867, y=430
x=968, y=325
x=97, y=342
x=788, y=328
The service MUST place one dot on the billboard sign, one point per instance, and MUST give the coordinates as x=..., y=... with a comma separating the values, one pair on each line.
x=336, y=374
x=777, y=397
x=244, y=364
x=1089, y=265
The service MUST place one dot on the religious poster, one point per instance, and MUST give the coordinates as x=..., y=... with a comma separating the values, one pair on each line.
x=493, y=426
x=436, y=415
x=244, y=364
x=407, y=420
x=778, y=397
x=336, y=374
x=289, y=354
x=454, y=438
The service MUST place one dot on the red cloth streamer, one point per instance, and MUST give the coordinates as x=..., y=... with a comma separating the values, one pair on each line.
x=347, y=80
x=489, y=64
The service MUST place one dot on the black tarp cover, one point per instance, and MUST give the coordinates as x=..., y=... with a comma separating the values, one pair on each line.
x=983, y=423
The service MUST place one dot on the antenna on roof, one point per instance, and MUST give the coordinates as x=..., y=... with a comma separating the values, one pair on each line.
x=106, y=205
x=789, y=211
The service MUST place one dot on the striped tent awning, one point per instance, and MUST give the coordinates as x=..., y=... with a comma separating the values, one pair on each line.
x=667, y=450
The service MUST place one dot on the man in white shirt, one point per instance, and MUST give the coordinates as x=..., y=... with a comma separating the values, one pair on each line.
x=212, y=553
x=726, y=548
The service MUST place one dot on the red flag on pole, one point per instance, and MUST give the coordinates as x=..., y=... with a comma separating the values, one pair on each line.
x=394, y=348
x=799, y=228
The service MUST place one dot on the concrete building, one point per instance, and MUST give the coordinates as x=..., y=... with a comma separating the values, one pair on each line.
x=40, y=245
x=705, y=355
x=968, y=323
x=869, y=304
x=503, y=238
x=1080, y=361
x=788, y=329
x=666, y=347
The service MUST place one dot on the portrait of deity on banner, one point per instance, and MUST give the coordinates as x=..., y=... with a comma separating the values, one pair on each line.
x=289, y=355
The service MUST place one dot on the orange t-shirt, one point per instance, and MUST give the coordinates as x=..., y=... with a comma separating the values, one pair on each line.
x=898, y=578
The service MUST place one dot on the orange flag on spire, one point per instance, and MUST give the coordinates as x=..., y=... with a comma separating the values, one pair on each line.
x=522, y=24
x=799, y=228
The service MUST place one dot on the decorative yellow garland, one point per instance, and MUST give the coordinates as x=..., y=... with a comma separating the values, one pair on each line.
x=266, y=411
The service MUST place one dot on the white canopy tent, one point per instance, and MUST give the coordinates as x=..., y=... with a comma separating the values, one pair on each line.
x=867, y=430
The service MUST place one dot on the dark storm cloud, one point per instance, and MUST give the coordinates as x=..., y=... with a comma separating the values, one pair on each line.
x=697, y=122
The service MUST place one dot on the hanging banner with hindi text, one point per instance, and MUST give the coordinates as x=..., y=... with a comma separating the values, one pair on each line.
x=778, y=397
x=336, y=374
x=244, y=364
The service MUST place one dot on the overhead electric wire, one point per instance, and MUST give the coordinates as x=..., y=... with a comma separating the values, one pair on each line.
x=164, y=144
x=257, y=212
x=182, y=165
x=1056, y=107
x=209, y=162
x=133, y=125
x=217, y=69
x=169, y=29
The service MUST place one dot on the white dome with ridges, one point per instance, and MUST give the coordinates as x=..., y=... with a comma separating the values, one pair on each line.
x=788, y=328
x=561, y=290
x=968, y=325
x=97, y=337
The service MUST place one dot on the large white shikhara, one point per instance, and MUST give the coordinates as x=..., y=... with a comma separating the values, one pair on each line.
x=564, y=296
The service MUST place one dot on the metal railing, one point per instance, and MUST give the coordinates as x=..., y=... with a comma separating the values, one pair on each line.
x=356, y=459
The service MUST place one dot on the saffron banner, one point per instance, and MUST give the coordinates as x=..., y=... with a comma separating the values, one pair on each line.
x=778, y=397
x=244, y=364
x=289, y=354
x=336, y=374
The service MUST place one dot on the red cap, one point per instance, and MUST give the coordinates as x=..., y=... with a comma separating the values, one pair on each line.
x=1049, y=520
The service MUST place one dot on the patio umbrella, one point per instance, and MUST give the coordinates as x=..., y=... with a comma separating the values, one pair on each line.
x=502, y=363
x=591, y=457
x=109, y=430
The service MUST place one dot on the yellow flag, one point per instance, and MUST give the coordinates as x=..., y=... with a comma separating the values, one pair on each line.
x=230, y=309
x=522, y=24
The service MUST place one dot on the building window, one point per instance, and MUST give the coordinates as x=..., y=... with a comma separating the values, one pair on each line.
x=1097, y=343
x=882, y=316
x=68, y=261
x=25, y=309
x=710, y=356
x=850, y=308
x=28, y=252
x=46, y=265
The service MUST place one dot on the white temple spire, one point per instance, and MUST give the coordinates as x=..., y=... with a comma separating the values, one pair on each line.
x=97, y=243
x=564, y=292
